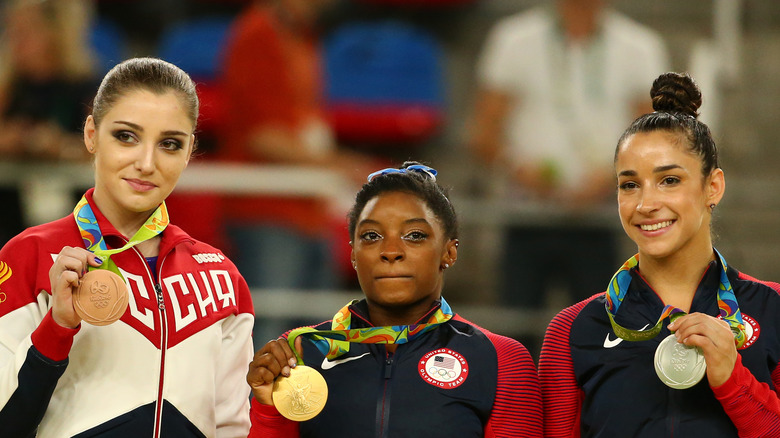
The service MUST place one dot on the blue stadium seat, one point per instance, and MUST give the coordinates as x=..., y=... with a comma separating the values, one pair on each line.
x=196, y=45
x=108, y=44
x=384, y=83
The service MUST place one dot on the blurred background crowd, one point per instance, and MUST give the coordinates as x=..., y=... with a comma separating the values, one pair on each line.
x=517, y=103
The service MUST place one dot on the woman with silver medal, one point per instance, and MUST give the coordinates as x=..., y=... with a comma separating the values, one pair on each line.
x=675, y=315
x=400, y=362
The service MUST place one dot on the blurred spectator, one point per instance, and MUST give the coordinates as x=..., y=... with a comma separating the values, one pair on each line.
x=556, y=85
x=46, y=86
x=273, y=89
x=47, y=78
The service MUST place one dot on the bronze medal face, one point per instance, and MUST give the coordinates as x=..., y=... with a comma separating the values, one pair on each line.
x=101, y=297
x=677, y=365
x=301, y=396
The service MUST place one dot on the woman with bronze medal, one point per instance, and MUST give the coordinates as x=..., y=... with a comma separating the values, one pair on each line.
x=681, y=343
x=116, y=322
x=400, y=362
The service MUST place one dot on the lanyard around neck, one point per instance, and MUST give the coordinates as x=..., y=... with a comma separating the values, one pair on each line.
x=335, y=342
x=618, y=287
x=92, y=236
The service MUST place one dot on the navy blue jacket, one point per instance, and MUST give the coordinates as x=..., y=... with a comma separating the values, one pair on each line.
x=597, y=385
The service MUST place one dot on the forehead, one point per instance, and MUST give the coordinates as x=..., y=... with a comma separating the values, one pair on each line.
x=653, y=149
x=397, y=205
x=145, y=105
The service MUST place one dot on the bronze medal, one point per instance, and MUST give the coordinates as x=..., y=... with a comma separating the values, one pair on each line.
x=301, y=396
x=101, y=297
x=678, y=365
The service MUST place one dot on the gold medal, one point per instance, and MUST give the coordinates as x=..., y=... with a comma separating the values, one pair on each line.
x=301, y=396
x=101, y=297
x=678, y=365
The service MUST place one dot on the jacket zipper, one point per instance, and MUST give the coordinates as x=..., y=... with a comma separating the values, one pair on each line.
x=163, y=341
x=382, y=415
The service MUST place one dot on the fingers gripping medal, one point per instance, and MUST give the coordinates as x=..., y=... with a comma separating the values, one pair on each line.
x=303, y=394
x=101, y=297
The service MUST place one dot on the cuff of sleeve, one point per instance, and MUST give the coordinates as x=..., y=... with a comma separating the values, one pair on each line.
x=53, y=340
x=734, y=384
x=267, y=412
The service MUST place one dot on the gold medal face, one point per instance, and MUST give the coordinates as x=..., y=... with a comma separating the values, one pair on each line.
x=301, y=396
x=677, y=365
x=101, y=297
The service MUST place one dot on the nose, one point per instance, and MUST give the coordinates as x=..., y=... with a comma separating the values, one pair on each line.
x=392, y=250
x=145, y=161
x=649, y=201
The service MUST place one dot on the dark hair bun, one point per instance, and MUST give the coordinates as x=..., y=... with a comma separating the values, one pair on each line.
x=676, y=93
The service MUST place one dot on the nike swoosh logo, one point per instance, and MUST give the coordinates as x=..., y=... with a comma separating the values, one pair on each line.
x=610, y=343
x=328, y=364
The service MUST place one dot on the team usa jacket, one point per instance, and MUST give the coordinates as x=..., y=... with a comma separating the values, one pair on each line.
x=457, y=380
x=597, y=385
x=174, y=365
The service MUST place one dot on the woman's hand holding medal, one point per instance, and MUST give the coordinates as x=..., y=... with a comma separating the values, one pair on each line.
x=716, y=340
x=274, y=359
x=64, y=277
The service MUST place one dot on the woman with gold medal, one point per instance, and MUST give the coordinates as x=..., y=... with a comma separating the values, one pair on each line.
x=681, y=343
x=400, y=362
x=115, y=321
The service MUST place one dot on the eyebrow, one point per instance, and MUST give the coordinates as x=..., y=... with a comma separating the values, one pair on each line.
x=408, y=221
x=140, y=128
x=658, y=169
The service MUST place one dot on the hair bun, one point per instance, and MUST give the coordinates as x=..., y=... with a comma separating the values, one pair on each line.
x=676, y=93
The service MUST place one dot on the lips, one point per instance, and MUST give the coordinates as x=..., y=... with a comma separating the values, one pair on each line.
x=140, y=185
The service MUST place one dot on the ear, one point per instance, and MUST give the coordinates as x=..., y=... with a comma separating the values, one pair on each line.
x=450, y=255
x=716, y=187
x=352, y=255
x=90, y=132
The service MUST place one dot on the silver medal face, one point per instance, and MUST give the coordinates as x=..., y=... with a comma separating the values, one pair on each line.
x=679, y=366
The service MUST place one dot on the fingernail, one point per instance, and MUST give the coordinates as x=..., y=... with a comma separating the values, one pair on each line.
x=292, y=362
x=98, y=260
x=286, y=371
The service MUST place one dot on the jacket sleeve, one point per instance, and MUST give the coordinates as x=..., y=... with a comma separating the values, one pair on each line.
x=560, y=393
x=517, y=409
x=752, y=406
x=232, y=404
x=33, y=347
x=267, y=422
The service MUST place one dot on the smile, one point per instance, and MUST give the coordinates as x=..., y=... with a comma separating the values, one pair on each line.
x=654, y=227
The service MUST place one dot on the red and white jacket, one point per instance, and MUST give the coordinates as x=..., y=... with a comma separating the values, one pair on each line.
x=173, y=365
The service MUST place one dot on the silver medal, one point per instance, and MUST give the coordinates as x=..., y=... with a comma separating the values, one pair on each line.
x=677, y=365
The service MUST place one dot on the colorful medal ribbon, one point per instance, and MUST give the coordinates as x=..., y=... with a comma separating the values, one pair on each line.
x=618, y=287
x=93, y=237
x=335, y=342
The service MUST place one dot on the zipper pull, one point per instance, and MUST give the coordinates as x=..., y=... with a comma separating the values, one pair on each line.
x=158, y=291
x=388, y=367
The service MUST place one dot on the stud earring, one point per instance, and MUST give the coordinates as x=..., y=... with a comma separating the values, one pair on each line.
x=446, y=265
x=712, y=207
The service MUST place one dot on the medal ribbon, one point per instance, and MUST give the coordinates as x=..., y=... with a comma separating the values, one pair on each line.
x=618, y=287
x=93, y=237
x=335, y=342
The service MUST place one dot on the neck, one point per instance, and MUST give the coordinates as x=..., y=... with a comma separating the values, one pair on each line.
x=676, y=278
